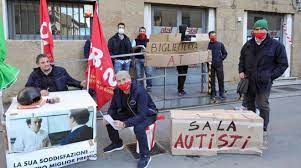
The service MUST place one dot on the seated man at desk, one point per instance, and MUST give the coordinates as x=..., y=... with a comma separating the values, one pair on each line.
x=32, y=138
x=79, y=130
x=50, y=78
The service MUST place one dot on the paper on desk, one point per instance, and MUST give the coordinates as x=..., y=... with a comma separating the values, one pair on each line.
x=110, y=120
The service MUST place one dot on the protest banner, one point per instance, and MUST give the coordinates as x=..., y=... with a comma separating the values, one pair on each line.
x=172, y=60
x=167, y=50
x=216, y=131
x=52, y=135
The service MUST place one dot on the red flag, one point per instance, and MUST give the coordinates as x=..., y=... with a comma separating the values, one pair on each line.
x=45, y=30
x=102, y=78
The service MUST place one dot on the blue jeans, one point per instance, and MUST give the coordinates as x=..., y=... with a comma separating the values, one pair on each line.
x=122, y=65
x=141, y=69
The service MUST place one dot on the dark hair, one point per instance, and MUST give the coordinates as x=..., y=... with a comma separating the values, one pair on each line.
x=142, y=28
x=80, y=116
x=28, y=120
x=39, y=57
x=211, y=32
x=120, y=24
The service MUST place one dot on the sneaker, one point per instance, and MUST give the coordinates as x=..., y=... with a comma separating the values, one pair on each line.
x=181, y=93
x=113, y=147
x=144, y=162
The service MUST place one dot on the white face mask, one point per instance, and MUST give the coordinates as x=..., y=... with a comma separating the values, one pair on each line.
x=121, y=31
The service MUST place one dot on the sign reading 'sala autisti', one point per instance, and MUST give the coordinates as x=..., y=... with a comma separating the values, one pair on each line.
x=216, y=131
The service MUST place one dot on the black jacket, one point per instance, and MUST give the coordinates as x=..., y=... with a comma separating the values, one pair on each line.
x=61, y=79
x=140, y=42
x=219, y=53
x=262, y=63
x=139, y=103
x=117, y=46
x=80, y=134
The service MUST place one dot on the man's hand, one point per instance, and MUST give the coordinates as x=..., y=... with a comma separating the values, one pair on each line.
x=119, y=124
x=83, y=83
x=44, y=92
x=242, y=75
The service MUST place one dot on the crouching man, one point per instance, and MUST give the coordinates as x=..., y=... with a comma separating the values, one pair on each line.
x=131, y=106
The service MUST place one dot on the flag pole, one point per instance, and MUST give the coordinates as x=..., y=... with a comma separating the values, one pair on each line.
x=88, y=84
x=1, y=108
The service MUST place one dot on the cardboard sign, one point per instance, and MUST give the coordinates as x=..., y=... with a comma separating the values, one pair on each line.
x=53, y=135
x=167, y=50
x=172, y=60
x=165, y=38
x=216, y=131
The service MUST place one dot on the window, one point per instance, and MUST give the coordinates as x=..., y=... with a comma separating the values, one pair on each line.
x=68, y=21
x=168, y=19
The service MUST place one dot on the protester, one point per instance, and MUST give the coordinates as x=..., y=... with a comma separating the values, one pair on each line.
x=141, y=42
x=263, y=59
x=182, y=70
x=131, y=106
x=33, y=138
x=120, y=44
x=79, y=130
x=219, y=54
x=50, y=78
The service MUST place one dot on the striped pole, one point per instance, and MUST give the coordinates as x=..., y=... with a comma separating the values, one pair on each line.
x=209, y=77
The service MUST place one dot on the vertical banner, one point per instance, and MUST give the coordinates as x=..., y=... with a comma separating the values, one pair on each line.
x=101, y=74
x=45, y=31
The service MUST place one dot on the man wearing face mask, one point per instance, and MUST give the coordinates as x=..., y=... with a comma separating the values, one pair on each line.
x=219, y=54
x=131, y=106
x=141, y=42
x=33, y=138
x=120, y=44
x=262, y=59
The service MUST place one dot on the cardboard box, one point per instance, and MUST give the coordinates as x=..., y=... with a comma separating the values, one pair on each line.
x=50, y=134
x=172, y=60
x=216, y=131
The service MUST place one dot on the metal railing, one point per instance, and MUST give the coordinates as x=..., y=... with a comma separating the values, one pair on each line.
x=203, y=74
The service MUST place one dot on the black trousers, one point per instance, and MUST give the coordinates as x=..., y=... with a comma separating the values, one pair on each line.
x=219, y=72
x=139, y=130
x=261, y=100
x=181, y=79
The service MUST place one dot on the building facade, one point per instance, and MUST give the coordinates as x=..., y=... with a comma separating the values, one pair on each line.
x=71, y=25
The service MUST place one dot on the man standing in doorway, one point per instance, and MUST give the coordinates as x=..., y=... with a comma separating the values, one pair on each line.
x=120, y=44
x=262, y=59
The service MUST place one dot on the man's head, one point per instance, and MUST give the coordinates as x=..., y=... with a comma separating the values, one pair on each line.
x=212, y=36
x=78, y=117
x=43, y=62
x=121, y=28
x=124, y=81
x=142, y=30
x=142, y=33
x=260, y=29
x=34, y=124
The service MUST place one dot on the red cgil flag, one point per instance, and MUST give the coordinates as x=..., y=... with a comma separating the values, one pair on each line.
x=100, y=68
x=45, y=30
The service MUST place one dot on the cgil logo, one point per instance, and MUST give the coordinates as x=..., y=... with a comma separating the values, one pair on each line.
x=44, y=32
x=96, y=56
